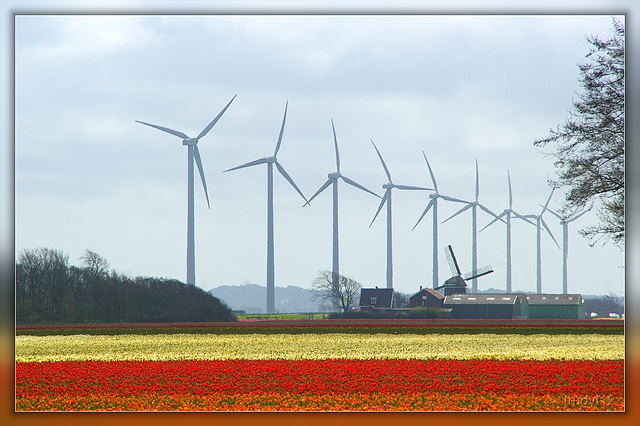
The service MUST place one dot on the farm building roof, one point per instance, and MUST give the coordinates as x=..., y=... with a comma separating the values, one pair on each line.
x=554, y=299
x=384, y=297
x=431, y=291
x=482, y=299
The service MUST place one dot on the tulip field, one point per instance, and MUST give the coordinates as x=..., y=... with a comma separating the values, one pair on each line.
x=318, y=365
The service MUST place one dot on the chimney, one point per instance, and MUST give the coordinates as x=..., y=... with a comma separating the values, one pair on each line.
x=420, y=288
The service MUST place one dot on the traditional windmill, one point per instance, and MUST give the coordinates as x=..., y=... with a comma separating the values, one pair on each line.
x=456, y=284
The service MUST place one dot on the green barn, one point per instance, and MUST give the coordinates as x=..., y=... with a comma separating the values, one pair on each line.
x=556, y=306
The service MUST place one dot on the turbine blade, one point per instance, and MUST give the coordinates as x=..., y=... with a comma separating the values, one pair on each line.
x=424, y=213
x=547, y=203
x=413, y=188
x=386, y=170
x=455, y=200
x=554, y=213
x=196, y=153
x=281, y=130
x=549, y=232
x=477, y=182
x=215, y=120
x=486, y=210
x=249, y=164
x=335, y=141
x=521, y=217
x=322, y=188
x=510, y=194
x=433, y=178
x=493, y=221
x=165, y=129
x=384, y=200
x=284, y=173
x=578, y=215
x=465, y=208
x=357, y=185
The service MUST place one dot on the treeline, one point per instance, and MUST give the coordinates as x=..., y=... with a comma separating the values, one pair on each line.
x=602, y=306
x=49, y=290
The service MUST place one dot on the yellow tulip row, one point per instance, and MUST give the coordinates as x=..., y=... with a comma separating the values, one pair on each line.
x=163, y=347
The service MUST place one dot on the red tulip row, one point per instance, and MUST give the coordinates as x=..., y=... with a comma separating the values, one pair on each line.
x=332, y=385
x=346, y=323
x=371, y=326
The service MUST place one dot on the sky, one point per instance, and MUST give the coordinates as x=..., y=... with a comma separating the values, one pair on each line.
x=460, y=87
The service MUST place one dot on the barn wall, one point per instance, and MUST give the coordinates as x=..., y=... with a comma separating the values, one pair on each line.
x=482, y=311
x=524, y=308
x=555, y=311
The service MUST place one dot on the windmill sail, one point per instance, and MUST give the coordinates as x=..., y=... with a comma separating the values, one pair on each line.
x=478, y=272
x=453, y=263
x=458, y=279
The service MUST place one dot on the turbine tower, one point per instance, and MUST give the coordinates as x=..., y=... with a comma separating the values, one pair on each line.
x=270, y=161
x=434, y=203
x=333, y=180
x=473, y=205
x=508, y=212
x=192, y=154
x=564, y=221
x=387, y=199
x=540, y=221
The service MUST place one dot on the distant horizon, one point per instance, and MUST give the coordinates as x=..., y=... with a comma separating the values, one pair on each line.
x=489, y=290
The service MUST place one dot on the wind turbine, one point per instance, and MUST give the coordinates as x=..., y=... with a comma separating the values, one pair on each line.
x=434, y=203
x=192, y=154
x=508, y=212
x=270, y=161
x=564, y=221
x=333, y=180
x=387, y=199
x=539, y=221
x=473, y=205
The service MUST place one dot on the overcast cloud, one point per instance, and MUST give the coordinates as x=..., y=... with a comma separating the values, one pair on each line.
x=459, y=87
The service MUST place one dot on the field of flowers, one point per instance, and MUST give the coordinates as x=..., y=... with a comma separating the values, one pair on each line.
x=157, y=347
x=330, y=371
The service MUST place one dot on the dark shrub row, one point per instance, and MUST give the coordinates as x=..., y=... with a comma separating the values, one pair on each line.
x=415, y=313
x=48, y=290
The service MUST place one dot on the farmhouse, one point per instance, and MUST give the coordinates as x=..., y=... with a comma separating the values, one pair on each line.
x=376, y=298
x=487, y=305
x=560, y=306
x=426, y=297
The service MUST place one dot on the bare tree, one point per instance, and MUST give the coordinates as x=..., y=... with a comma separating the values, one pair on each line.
x=42, y=277
x=401, y=299
x=335, y=290
x=95, y=264
x=589, y=147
